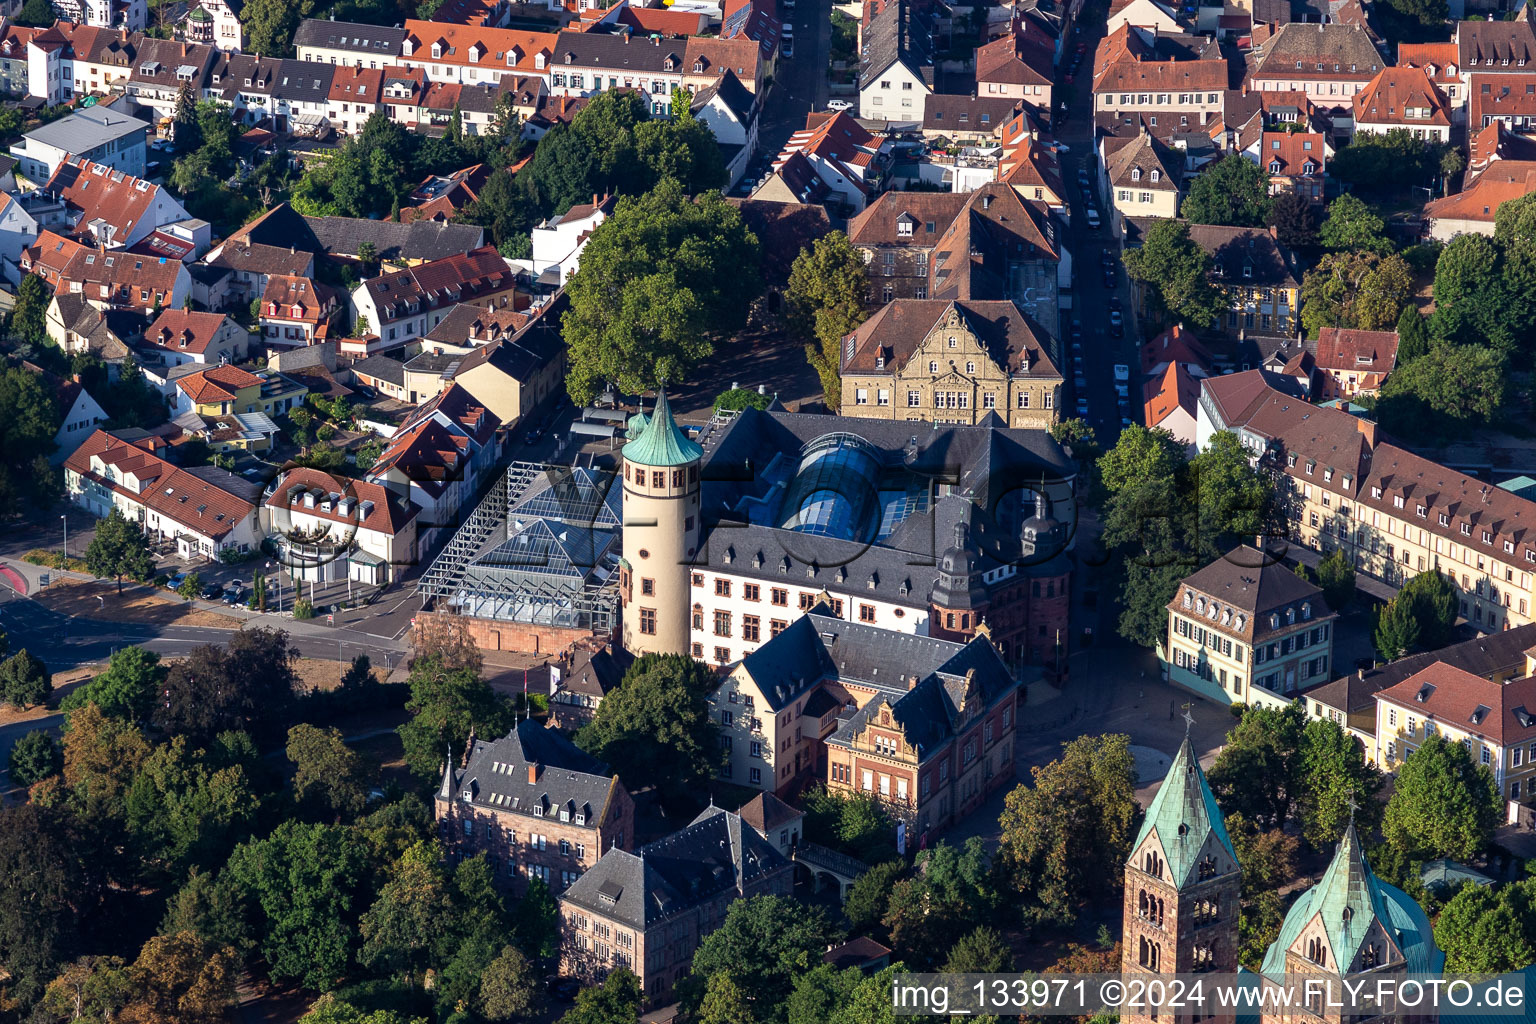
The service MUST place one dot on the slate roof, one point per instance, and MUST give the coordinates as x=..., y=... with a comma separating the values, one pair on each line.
x=419, y=240
x=302, y=81
x=1254, y=250
x=897, y=33
x=1500, y=653
x=375, y=40
x=901, y=325
x=1237, y=593
x=569, y=779
x=1184, y=815
x=595, y=673
x=714, y=856
x=738, y=99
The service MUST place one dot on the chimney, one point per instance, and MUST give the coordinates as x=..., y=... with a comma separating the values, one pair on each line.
x=1359, y=672
x=911, y=682
x=533, y=772
x=1367, y=430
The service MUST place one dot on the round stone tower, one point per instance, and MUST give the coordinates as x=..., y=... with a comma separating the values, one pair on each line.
x=661, y=531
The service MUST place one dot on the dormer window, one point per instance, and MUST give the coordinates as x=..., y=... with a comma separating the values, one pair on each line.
x=1136, y=174
x=1156, y=176
x=437, y=51
x=904, y=229
x=1274, y=167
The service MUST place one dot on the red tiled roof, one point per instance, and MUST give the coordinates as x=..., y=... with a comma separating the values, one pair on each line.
x=216, y=384
x=356, y=85
x=97, y=192
x=388, y=514
x=1388, y=97
x=298, y=298
x=1175, y=345
x=1437, y=59
x=1502, y=181
x=428, y=454
x=121, y=278
x=174, y=493
x=500, y=48
x=185, y=330
x=441, y=283
x=1292, y=151
x=1175, y=389
x=1495, y=96
x=1355, y=351
x=50, y=255
x=1465, y=702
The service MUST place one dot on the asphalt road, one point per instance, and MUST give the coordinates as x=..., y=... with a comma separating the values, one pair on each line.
x=1090, y=294
x=800, y=82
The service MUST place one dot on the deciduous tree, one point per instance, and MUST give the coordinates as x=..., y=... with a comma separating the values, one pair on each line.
x=1354, y=227
x=1336, y=577
x=126, y=689
x=46, y=895
x=1177, y=272
x=980, y=951
x=1444, y=804
x=764, y=943
x=404, y=928
x=1412, y=335
x=508, y=988
x=249, y=684
x=1334, y=784
x=446, y=705
x=182, y=978
x=828, y=286
x=328, y=776
x=656, y=724
x=119, y=548
x=182, y=810
x=659, y=280
x=1256, y=773
x=1294, y=219
x=1065, y=837
x=1488, y=932
x=1233, y=191
x=615, y=1001
x=949, y=895
x=870, y=894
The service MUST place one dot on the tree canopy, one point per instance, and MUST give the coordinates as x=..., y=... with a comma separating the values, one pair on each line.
x=828, y=286
x=764, y=943
x=655, y=725
x=1352, y=226
x=119, y=548
x=1177, y=273
x=1357, y=289
x=1233, y=191
x=658, y=281
x=1445, y=804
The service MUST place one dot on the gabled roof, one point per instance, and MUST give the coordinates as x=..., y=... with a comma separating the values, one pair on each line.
x=1184, y=815
x=356, y=85
x=298, y=298
x=900, y=326
x=1289, y=153
x=1387, y=98
x=440, y=283
x=562, y=777
x=377, y=40
x=96, y=192
x=1503, y=712
x=898, y=32
x=1345, y=52
x=477, y=45
x=1437, y=59
x=374, y=508
x=1245, y=255
x=1355, y=351
x=216, y=384
x=1145, y=164
x=185, y=330
x=1493, y=96
x=1491, y=45
x=1175, y=389
x=1502, y=181
x=210, y=502
x=734, y=96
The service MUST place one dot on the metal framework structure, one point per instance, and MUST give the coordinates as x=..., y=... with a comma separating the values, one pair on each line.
x=509, y=592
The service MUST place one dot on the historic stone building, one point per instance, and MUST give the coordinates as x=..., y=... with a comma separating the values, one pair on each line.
x=537, y=806
x=950, y=362
x=1182, y=886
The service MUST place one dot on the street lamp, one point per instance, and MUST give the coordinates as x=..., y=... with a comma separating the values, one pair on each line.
x=65, y=520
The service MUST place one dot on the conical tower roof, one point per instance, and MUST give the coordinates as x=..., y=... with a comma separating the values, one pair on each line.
x=1349, y=899
x=660, y=441
x=1184, y=815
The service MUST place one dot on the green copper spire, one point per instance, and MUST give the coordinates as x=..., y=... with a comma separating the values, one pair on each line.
x=1349, y=900
x=1184, y=814
x=661, y=442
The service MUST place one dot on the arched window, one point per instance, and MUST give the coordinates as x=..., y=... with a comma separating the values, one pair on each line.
x=1206, y=868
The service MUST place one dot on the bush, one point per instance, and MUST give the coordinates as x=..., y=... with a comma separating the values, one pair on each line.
x=302, y=609
x=741, y=398
x=231, y=556
x=191, y=586
x=35, y=757
x=54, y=560
x=326, y=432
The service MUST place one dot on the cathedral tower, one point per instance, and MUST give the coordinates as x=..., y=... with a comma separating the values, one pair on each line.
x=1182, y=886
x=661, y=531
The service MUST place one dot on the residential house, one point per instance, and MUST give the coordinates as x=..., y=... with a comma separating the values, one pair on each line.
x=958, y=245
x=49, y=256
x=1494, y=47
x=1403, y=98
x=162, y=69
x=50, y=71
x=1261, y=278
x=586, y=63
x=706, y=59
x=774, y=820
x=297, y=311
x=202, y=510
x=1296, y=162
x=580, y=681
x=1247, y=630
x=1394, y=513
x=731, y=111
x=14, y=70
x=1034, y=171
x=1168, y=77
x=301, y=94
x=439, y=457
x=326, y=528
x=845, y=162
x=1144, y=14
x=1019, y=64
x=404, y=244
x=748, y=21
x=1508, y=99
x=118, y=15
x=109, y=208
x=225, y=390
x=536, y=806
x=966, y=119
x=79, y=413
x=127, y=281
x=441, y=196
x=265, y=247
x=1141, y=177
x=1354, y=362
x=1439, y=61
x=348, y=44
x=1329, y=62
x=180, y=336
x=1170, y=401
x=896, y=72
x=216, y=23
x=515, y=363
x=18, y=230
x=356, y=94
x=949, y=362
x=76, y=325
x=648, y=911
x=1492, y=719
x=557, y=241
x=403, y=307
x=382, y=374
x=1349, y=701
x=473, y=54
x=1473, y=208
x=98, y=134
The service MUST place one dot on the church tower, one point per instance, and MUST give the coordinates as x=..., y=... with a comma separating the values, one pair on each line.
x=1349, y=923
x=661, y=531
x=1182, y=886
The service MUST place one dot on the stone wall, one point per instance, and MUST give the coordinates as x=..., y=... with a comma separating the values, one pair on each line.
x=526, y=638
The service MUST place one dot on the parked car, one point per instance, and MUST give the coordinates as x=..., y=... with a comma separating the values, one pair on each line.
x=1117, y=330
x=1079, y=381
x=1116, y=305
x=1117, y=319
x=236, y=594
x=213, y=591
x=1092, y=217
x=1077, y=329
x=1082, y=406
x=563, y=989
x=788, y=47
x=839, y=105
x=175, y=581
x=787, y=31
x=1122, y=372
